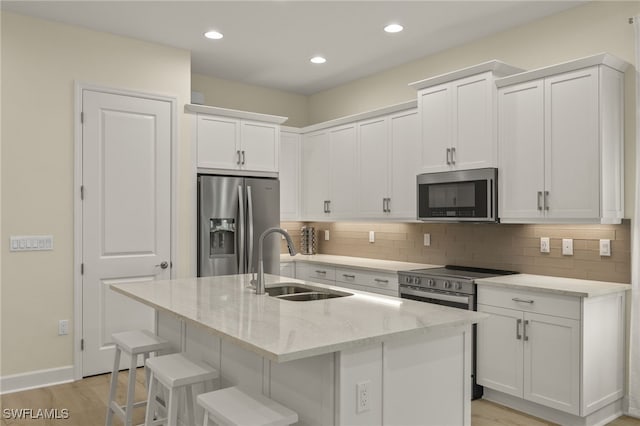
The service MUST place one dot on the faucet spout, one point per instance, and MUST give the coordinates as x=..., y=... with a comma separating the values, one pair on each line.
x=290, y=246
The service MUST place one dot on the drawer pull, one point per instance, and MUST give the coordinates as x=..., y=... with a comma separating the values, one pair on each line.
x=378, y=280
x=320, y=272
x=517, y=299
x=518, y=335
x=348, y=276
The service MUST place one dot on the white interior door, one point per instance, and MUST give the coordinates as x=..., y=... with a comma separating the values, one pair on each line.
x=126, y=175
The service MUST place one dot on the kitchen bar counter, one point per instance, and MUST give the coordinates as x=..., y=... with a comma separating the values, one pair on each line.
x=557, y=285
x=357, y=262
x=283, y=330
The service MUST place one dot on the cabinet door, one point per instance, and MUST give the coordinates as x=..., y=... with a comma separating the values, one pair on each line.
x=373, y=162
x=218, y=146
x=500, y=350
x=572, y=174
x=521, y=151
x=434, y=105
x=289, y=176
x=552, y=361
x=259, y=147
x=343, y=174
x=315, y=175
x=405, y=164
x=473, y=120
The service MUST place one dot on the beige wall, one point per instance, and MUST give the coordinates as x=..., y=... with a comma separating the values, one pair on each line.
x=511, y=247
x=582, y=31
x=41, y=61
x=231, y=94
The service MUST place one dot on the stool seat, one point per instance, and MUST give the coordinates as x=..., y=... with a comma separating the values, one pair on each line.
x=237, y=407
x=176, y=372
x=139, y=341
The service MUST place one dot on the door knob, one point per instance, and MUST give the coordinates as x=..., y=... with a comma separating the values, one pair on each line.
x=164, y=265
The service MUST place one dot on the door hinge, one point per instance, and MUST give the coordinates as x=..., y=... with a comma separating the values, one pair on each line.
x=82, y=192
x=81, y=117
x=82, y=344
x=82, y=269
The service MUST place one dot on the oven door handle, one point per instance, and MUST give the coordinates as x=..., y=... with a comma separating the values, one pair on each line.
x=433, y=295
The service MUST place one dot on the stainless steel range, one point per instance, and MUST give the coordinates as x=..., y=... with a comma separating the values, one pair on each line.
x=449, y=286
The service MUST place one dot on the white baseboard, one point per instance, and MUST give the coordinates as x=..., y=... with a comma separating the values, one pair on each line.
x=36, y=379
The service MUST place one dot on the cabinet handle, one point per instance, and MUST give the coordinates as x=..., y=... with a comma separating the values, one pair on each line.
x=328, y=206
x=518, y=335
x=524, y=331
x=321, y=272
x=388, y=205
x=453, y=155
x=517, y=299
x=238, y=162
x=384, y=205
x=243, y=157
x=540, y=200
x=546, y=200
x=378, y=280
x=348, y=276
x=448, y=155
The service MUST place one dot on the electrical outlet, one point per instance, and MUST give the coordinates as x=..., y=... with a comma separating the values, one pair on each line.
x=545, y=246
x=326, y=235
x=567, y=247
x=605, y=247
x=427, y=240
x=363, y=401
x=372, y=237
x=63, y=327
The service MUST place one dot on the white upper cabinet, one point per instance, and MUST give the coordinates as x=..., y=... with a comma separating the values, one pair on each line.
x=236, y=141
x=315, y=175
x=289, y=175
x=561, y=143
x=342, y=171
x=458, y=118
x=373, y=164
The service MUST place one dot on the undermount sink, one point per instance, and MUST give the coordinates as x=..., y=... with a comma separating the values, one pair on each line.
x=295, y=292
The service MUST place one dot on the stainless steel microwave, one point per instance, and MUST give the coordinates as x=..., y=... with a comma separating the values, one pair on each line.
x=456, y=196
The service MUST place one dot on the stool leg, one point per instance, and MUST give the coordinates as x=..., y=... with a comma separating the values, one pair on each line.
x=114, y=385
x=172, y=407
x=189, y=390
x=131, y=390
x=151, y=400
x=206, y=419
x=146, y=370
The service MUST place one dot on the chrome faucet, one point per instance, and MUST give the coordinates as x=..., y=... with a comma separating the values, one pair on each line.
x=292, y=252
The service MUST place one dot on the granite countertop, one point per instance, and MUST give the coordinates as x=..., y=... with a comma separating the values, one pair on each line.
x=282, y=330
x=357, y=262
x=558, y=285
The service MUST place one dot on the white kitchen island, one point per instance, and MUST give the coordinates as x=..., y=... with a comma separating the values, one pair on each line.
x=412, y=358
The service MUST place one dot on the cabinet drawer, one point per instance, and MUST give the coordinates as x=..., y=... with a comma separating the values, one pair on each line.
x=377, y=280
x=312, y=271
x=530, y=301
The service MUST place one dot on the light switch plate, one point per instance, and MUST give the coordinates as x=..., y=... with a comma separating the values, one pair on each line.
x=605, y=247
x=372, y=236
x=427, y=240
x=326, y=235
x=30, y=242
x=567, y=247
x=545, y=245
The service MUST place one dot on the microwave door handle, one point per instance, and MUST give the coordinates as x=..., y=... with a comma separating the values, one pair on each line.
x=240, y=227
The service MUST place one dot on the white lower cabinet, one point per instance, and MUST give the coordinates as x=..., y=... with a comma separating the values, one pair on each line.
x=357, y=279
x=541, y=347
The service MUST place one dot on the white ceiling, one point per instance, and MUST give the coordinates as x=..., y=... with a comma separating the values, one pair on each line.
x=269, y=43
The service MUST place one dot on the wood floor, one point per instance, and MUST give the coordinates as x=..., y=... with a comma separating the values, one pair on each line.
x=86, y=402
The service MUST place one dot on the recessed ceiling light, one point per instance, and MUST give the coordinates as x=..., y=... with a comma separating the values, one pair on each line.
x=318, y=60
x=213, y=35
x=393, y=28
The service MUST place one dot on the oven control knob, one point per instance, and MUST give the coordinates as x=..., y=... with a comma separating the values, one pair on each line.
x=417, y=280
x=447, y=284
x=432, y=283
x=458, y=286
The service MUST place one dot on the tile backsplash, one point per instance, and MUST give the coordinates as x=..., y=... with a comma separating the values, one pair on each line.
x=500, y=246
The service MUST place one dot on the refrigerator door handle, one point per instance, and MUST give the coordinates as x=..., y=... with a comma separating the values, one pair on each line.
x=250, y=225
x=240, y=227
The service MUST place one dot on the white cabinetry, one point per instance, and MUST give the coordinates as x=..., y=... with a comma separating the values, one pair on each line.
x=458, y=118
x=289, y=175
x=558, y=351
x=387, y=166
x=236, y=141
x=315, y=175
x=358, y=279
x=561, y=143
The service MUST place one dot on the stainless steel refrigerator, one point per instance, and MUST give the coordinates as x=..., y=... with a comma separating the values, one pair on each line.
x=232, y=213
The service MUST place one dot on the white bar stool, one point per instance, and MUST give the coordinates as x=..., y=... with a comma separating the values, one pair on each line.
x=175, y=372
x=133, y=343
x=232, y=406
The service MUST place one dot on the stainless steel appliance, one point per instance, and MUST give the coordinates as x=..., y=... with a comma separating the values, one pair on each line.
x=232, y=214
x=452, y=286
x=461, y=195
